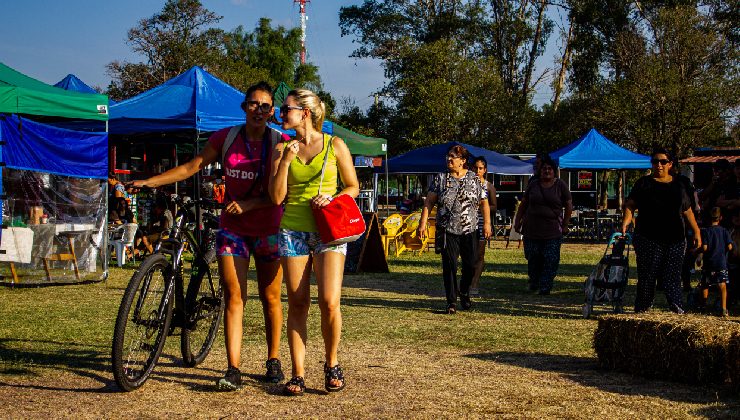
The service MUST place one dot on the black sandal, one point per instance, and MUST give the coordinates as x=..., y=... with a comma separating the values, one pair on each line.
x=334, y=373
x=451, y=309
x=295, y=381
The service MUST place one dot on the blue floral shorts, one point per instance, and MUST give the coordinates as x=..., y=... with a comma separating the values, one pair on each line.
x=264, y=248
x=292, y=243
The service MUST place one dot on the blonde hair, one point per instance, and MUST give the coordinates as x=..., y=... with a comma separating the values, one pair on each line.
x=309, y=100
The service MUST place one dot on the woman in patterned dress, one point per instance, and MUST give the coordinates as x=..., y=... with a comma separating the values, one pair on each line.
x=459, y=195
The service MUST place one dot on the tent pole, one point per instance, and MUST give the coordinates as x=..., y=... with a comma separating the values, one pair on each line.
x=196, y=192
x=387, y=208
x=104, y=250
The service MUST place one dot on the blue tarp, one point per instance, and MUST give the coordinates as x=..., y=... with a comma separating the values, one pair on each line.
x=594, y=151
x=194, y=100
x=44, y=148
x=431, y=159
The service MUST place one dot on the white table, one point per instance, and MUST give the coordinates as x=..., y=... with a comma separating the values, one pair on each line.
x=17, y=242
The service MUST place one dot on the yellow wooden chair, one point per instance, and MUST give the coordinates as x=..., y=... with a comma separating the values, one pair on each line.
x=392, y=229
x=410, y=241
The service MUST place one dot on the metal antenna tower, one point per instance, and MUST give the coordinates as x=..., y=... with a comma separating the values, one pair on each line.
x=304, y=19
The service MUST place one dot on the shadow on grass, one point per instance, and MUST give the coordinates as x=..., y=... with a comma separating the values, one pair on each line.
x=586, y=371
x=500, y=294
x=21, y=357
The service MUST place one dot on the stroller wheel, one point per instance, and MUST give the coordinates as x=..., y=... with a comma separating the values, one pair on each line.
x=587, y=310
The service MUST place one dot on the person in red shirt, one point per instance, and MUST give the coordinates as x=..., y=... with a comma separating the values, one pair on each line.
x=249, y=226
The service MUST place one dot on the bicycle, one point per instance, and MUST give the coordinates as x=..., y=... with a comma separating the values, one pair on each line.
x=156, y=301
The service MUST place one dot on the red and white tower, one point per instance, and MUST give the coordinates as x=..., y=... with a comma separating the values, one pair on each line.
x=304, y=19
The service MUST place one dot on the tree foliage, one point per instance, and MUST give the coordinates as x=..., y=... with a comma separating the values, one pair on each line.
x=183, y=35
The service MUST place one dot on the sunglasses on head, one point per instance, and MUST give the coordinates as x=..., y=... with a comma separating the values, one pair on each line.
x=256, y=105
x=661, y=161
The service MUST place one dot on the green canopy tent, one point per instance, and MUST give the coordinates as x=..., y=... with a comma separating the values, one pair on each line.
x=20, y=94
x=359, y=144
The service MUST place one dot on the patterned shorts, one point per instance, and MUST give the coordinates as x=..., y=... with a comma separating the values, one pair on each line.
x=295, y=244
x=264, y=248
x=709, y=278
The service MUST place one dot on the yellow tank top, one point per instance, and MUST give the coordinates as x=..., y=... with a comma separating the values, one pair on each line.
x=303, y=184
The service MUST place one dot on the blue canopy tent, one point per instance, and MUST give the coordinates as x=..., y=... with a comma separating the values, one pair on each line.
x=193, y=101
x=594, y=151
x=73, y=83
x=431, y=159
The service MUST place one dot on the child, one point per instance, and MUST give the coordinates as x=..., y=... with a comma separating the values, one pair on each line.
x=716, y=243
x=733, y=261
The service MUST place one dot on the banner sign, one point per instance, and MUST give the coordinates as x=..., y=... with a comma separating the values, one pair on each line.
x=585, y=180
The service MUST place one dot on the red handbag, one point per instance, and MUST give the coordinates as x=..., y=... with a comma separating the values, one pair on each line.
x=340, y=221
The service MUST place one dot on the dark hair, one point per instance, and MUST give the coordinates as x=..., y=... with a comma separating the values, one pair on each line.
x=481, y=159
x=112, y=175
x=722, y=164
x=263, y=86
x=460, y=151
x=545, y=159
x=662, y=151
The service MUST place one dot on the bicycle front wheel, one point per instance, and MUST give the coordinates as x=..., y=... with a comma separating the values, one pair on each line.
x=142, y=323
x=204, y=307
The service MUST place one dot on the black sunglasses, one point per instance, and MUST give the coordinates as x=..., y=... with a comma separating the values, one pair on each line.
x=255, y=105
x=285, y=108
x=663, y=162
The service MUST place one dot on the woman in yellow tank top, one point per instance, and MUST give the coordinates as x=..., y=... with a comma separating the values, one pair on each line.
x=296, y=184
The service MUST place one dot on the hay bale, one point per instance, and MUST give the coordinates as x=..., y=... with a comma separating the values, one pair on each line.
x=686, y=348
x=733, y=360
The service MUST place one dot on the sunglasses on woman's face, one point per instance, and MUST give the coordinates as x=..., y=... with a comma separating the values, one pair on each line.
x=256, y=105
x=663, y=162
x=286, y=108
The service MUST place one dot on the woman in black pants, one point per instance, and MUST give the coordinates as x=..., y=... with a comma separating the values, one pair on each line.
x=458, y=195
x=660, y=238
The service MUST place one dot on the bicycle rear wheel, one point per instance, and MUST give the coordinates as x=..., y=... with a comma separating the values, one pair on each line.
x=142, y=323
x=204, y=307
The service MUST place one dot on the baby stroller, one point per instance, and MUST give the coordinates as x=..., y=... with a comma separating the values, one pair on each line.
x=608, y=280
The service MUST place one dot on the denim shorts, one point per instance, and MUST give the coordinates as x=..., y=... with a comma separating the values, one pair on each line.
x=292, y=243
x=230, y=244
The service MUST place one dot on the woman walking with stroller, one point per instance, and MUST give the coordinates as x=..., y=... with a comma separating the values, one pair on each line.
x=297, y=184
x=660, y=238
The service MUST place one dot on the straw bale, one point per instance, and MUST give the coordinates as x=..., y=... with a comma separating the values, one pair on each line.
x=733, y=360
x=686, y=348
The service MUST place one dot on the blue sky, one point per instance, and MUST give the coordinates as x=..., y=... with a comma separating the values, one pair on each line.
x=48, y=39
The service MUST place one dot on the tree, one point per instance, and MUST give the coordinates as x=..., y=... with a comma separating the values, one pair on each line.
x=172, y=41
x=456, y=58
x=657, y=73
x=181, y=36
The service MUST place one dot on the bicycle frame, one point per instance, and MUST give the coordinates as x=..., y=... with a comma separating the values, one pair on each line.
x=174, y=245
